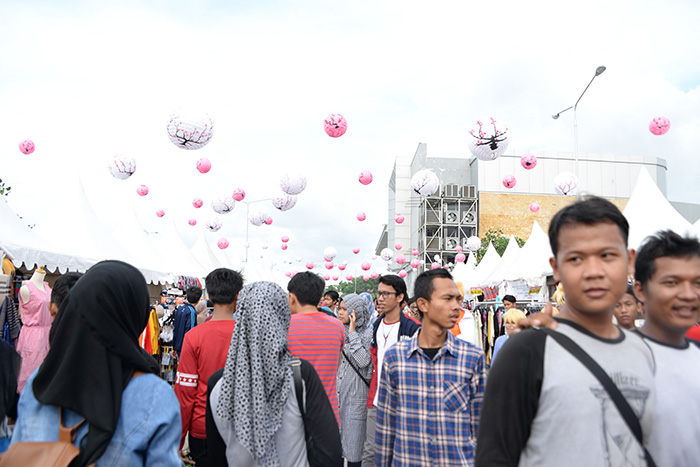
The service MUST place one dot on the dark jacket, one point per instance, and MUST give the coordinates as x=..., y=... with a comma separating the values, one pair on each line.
x=183, y=323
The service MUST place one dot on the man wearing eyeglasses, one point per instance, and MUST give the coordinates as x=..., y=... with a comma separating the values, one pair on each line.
x=391, y=327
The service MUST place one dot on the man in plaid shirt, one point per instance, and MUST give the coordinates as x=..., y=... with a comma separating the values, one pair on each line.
x=432, y=386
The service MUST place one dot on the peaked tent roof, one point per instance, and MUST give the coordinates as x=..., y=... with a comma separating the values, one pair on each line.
x=508, y=260
x=489, y=262
x=533, y=261
x=464, y=272
x=648, y=211
x=169, y=244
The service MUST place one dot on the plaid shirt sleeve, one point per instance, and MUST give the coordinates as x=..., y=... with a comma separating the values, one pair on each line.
x=478, y=384
x=386, y=412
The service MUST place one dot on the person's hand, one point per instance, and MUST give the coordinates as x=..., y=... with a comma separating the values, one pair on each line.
x=353, y=319
x=187, y=459
x=543, y=318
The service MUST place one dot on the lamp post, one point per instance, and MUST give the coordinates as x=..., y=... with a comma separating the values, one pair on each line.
x=598, y=71
x=247, y=221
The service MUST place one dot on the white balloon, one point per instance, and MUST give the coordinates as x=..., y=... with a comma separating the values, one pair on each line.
x=488, y=140
x=565, y=184
x=284, y=202
x=425, y=182
x=387, y=254
x=190, y=129
x=223, y=205
x=213, y=225
x=293, y=184
x=330, y=253
x=122, y=168
x=257, y=216
x=473, y=243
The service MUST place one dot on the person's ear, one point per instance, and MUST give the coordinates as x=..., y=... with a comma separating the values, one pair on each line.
x=555, y=268
x=639, y=292
x=630, y=265
x=422, y=304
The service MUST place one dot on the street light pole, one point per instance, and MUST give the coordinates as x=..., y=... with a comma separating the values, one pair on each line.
x=598, y=71
x=247, y=222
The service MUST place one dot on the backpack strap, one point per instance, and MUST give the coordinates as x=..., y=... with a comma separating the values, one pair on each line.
x=618, y=399
x=67, y=434
x=299, y=386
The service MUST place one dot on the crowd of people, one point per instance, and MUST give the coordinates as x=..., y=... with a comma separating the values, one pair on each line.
x=308, y=377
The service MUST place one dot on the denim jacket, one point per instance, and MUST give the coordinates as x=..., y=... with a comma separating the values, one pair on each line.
x=147, y=433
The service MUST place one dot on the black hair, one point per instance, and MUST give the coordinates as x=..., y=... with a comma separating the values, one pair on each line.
x=592, y=210
x=333, y=294
x=307, y=287
x=509, y=298
x=223, y=285
x=423, y=287
x=396, y=282
x=411, y=300
x=662, y=244
x=62, y=285
x=630, y=290
x=194, y=293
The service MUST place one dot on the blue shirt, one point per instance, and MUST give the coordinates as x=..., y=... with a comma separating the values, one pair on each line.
x=497, y=346
x=147, y=433
x=428, y=410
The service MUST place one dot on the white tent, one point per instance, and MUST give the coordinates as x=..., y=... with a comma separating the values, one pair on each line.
x=533, y=261
x=464, y=272
x=507, y=262
x=207, y=256
x=489, y=262
x=170, y=245
x=648, y=211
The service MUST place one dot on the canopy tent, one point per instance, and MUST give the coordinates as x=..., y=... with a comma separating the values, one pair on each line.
x=489, y=262
x=533, y=261
x=648, y=211
x=507, y=262
x=208, y=257
x=170, y=245
x=263, y=270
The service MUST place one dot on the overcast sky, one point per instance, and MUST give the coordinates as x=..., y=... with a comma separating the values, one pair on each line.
x=87, y=80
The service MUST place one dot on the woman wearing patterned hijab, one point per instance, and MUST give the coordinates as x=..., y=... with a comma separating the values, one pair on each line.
x=354, y=374
x=253, y=418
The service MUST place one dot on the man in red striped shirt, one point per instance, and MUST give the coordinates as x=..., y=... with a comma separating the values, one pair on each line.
x=313, y=335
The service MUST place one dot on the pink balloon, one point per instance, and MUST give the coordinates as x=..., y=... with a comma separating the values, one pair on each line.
x=283, y=246
x=222, y=243
x=335, y=278
x=365, y=278
x=342, y=266
x=365, y=177
x=398, y=245
x=534, y=207
x=459, y=248
x=326, y=277
x=310, y=265
x=366, y=266
x=528, y=161
x=288, y=273
x=374, y=275
x=400, y=259
x=160, y=213
x=348, y=277
x=203, y=165
x=415, y=263
x=361, y=216
x=142, y=190
x=402, y=273
x=659, y=126
x=329, y=264
x=285, y=239
x=435, y=266
x=335, y=125
x=238, y=194
x=459, y=257
x=415, y=252
x=509, y=181
x=27, y=146
x=192, y=221
x=399, y=219
x=197, y=203
x=356, y=250
x=268, y=221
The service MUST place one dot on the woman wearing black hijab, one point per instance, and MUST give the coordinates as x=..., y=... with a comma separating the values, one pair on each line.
x=96, y=370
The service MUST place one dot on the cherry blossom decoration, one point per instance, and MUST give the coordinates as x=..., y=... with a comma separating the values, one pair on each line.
x=284, y=202
x=223, y=205
x=310, y=265
x=361, y=216
x=398, y=246
x=192, y=221
x=534, y=207
x=399, y=219
x=293, y=184
x=197, y=203
x=509, y=181
x=387, y=254
x=27, y=146
x=285, y=238
x=365, y=278
x=415, y=252
x=213, y=225
x=203, y=165
x=356, y=250
x=330, y=253
x=528, y=161
x=366, y=177
x=335, y=125
x=460, y=257
x=238, y=194
x=160, y=213
x=268, y=221
x=257, y=216
x=326, y=277
x=366, y=266
x=415, y=263
x=400, y=258
x=284, y=246
x=473, y=243
x=565, y=184
x=329, y=265
x=374, y=275
x=435, y=265
x=488, y=140
x=348, y=277
x=222, y=243
x=122, y=168
x=459, y=248
x=402, y=274
x=343, y=265
x=190, y=130
x=335, y=278
x=142, y=190
x=659, y=126
x=425, y=182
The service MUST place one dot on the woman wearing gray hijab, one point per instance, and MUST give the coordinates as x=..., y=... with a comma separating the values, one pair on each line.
x=354, y=374
x=253, y=418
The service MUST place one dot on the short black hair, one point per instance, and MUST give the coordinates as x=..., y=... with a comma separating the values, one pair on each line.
x=662, y=244
x=62, y=285
x=333, y=294
x=423, y=287
x=396, y=282
x=589, y=211
x=307, y=287
x=630, y=290
x=223, y=285
x=194, y=293
x=509, y=298
x=411, y=300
